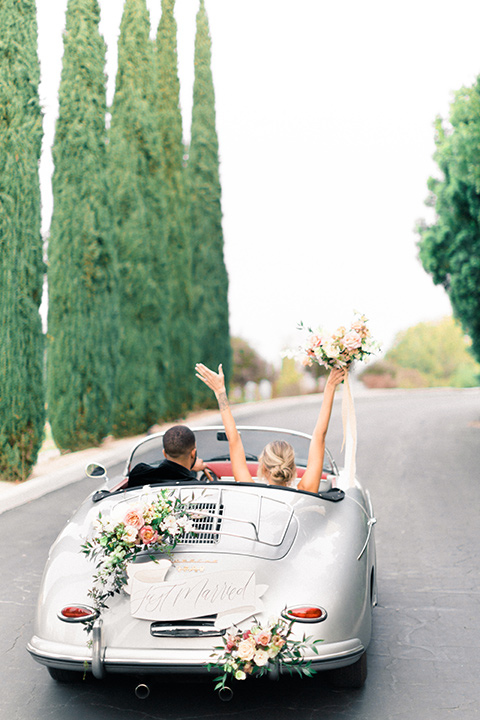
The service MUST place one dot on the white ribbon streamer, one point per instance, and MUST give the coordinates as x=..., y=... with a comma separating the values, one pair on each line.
x=349, y=431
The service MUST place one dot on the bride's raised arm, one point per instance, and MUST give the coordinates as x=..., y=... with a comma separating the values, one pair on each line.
x=313, y=474
x=216, y=382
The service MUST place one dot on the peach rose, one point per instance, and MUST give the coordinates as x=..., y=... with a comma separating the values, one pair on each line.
x=134, y=517
x=278, y=641
x=352, y=340
x=148, y=534
x=246, y=651
x=263, y=637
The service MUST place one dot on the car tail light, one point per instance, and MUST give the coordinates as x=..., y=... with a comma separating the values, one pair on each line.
x=77, y=613
x=305, y=613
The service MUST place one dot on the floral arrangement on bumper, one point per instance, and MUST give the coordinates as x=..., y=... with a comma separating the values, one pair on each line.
x=340, y=348
x=151, y=524
x=260, y=650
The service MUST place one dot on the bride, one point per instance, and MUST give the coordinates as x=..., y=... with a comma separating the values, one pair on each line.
x=276, y=464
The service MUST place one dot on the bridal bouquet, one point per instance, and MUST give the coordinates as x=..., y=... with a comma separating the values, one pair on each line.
x=148, y=524
x=260, y=650
x=340, y=348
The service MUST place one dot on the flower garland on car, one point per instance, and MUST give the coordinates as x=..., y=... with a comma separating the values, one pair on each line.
x=154, y=524
x=339, y=350
x=260, y=650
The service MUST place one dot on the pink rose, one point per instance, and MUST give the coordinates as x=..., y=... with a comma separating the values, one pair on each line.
x=134, y=518
x=263, y=637
x=231, y=642
x=352, y=340
x=148, y=534
x=245, y=650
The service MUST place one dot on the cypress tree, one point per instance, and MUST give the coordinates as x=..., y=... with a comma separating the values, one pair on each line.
x=210, y=304
x=180, y=376
x=135, y=168
x=83, y=313
x=22, y=401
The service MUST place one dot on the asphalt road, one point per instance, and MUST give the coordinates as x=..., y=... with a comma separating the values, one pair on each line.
x=419, y=455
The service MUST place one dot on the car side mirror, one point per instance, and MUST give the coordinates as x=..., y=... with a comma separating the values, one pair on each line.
x=94, y=470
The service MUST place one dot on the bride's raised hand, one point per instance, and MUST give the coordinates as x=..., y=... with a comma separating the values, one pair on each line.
x=215, y=381
x=337, y=376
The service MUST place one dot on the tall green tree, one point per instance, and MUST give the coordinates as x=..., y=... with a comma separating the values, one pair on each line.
x=22, y=400
x=83, y=311
x=180, y=376
x=135, y=166
x=210, y=301
x=450, y=246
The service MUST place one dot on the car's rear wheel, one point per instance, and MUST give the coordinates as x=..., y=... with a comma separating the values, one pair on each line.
x=65, y=676
x=351, y=676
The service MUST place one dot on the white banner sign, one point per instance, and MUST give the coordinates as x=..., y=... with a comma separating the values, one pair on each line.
x=211, y=593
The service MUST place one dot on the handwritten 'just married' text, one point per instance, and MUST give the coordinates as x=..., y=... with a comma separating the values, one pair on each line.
x=192, y=597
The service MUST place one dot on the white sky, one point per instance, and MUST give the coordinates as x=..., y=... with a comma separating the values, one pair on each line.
x=325, y=116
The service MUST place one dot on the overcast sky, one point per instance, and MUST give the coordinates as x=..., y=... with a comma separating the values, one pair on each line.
x=325, y=116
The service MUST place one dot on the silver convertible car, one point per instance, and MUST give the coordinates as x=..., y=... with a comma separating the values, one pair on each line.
x=250, y=551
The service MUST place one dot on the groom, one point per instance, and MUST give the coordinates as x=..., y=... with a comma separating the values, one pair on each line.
x=181, y=462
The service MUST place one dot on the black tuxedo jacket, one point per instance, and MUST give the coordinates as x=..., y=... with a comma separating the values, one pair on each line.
x=143, y=474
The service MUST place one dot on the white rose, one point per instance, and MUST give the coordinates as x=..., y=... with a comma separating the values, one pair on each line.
x=330, y=349
x=260, y=658
x=170, y=525
x=130, y=534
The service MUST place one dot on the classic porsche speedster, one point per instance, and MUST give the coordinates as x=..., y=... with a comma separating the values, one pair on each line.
x=249, y=550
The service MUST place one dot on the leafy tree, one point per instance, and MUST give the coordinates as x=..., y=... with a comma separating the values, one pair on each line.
x=450, y=246
x=290, y=380
x=22, y=400
x=428, y=354
x=210, y=300
x=248, y=365
x=179, y=375
x=134, y=154
x=82, y=311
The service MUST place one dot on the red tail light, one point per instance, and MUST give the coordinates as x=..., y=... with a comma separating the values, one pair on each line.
x=76, y=613
x=305, y=613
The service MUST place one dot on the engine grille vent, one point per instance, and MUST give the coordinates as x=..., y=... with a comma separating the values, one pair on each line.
x=207, y=525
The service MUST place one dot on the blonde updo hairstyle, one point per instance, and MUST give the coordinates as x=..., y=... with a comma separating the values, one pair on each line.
x=276, y=464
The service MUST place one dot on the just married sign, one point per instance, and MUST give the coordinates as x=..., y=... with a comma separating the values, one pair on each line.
x=223, y=593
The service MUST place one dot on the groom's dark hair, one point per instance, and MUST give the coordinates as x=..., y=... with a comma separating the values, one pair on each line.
x=178, y=441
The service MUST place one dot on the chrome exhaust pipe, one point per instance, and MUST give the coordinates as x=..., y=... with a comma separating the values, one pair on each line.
x=142, y=691
x=225, y=694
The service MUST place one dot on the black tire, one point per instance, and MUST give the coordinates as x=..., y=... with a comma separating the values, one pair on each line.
x=351, y=676
x=65, y=676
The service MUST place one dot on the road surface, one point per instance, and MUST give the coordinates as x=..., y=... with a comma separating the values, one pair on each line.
x=419, y=455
